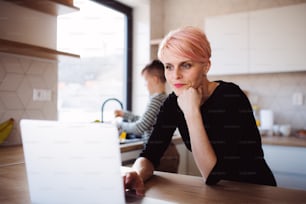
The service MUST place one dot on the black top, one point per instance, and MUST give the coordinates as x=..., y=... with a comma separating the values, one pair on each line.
x=232, y=131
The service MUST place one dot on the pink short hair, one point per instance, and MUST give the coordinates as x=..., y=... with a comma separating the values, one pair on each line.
x=189, y=42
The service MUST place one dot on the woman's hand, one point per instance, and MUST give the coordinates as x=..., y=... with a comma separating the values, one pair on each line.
x=132, y=181
x=190, y=99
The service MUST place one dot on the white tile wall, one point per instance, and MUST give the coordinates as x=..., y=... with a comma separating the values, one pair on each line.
x=18, y=77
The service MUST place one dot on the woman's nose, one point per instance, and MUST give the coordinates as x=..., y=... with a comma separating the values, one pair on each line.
x=176, y=73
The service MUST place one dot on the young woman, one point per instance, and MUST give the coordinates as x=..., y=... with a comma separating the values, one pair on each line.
x=214, y=118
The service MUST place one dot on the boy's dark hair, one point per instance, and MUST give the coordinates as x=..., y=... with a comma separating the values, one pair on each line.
x=155, y=68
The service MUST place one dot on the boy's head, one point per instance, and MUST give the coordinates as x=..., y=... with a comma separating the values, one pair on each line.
x=155, y=68
x=154, y=76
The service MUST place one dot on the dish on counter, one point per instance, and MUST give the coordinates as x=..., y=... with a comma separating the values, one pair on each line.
x=301, y=133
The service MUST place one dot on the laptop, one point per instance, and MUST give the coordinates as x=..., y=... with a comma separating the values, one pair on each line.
x=70, y=162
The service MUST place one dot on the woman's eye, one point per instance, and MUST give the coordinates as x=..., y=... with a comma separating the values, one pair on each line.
x=168, y=67
x=186, y=65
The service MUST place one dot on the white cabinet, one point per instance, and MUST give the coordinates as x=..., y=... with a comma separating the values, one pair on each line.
x=229, y=42
x=278, y=39
x=263, y=41
x=128, y=158
x=187, y=164
x=183, y=164
x=288, y=165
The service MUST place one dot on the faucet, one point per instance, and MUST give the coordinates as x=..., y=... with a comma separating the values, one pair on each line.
x=107, y=100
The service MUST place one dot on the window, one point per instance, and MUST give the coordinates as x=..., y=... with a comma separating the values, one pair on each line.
x=101, y=33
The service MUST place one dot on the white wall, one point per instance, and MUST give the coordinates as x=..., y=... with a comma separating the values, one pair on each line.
x=26, y=25
x=193, y=12
x=141, y=39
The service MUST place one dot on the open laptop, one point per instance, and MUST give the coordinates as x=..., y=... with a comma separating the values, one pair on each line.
x=74, y=163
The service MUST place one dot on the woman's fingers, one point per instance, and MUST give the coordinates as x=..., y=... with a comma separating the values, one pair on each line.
x=133, y=181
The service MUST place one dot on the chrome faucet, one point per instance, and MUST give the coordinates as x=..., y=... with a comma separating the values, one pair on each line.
x=107, y=100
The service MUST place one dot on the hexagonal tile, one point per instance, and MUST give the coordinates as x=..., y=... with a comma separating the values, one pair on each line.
x=37, y=68
x=25, y=91
x=50, y=74
x=11, y=82
x=36, y=81
x=11, y=101
x=12, y=64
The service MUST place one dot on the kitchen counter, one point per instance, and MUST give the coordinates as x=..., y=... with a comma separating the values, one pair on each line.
x=290, y=141
x=268, y=140
x=168, y=187
x=139, y=145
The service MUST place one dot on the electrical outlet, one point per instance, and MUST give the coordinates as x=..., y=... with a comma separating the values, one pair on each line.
x=41, y=95
x=297, y=99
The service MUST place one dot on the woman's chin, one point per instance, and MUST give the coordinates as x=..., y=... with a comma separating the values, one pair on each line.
x=177, y=92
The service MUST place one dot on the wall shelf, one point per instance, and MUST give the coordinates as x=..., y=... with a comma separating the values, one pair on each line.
x=52, y=7
x=24, y=49
x=156, y=41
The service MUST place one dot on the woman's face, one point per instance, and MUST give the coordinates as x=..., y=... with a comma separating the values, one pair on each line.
x=182, y=73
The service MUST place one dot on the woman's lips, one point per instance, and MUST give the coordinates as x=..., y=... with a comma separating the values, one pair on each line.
x=178, y=85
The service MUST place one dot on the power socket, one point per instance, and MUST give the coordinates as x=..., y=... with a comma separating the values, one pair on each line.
x=297, y=99
x=41, y=95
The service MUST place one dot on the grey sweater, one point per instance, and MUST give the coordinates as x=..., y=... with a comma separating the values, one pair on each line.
x=143, y=125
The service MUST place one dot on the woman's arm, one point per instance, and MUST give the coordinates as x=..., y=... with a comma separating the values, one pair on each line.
x=203, y=153
x=143, y=170
x=202, y=150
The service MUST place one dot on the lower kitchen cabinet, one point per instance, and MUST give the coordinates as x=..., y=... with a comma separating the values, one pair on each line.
x=288, y=165
x=187, y=164
x=183, y=158
x=128, y=158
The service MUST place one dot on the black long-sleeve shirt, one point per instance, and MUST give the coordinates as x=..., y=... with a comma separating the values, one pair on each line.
x=231, y=128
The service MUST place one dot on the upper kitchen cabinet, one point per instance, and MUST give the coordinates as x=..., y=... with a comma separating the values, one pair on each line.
x=53, y=7
x=278, y=39
x=229, y=43
x=263, y=41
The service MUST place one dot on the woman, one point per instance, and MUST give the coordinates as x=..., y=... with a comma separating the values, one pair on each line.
x=214, y=118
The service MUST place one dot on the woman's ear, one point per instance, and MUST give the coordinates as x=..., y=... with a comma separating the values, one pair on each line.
x=206, y=68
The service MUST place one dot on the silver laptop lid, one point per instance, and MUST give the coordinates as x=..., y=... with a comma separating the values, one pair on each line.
x=72, y=162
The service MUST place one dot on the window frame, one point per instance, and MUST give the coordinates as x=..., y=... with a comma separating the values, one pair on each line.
x=128, y=76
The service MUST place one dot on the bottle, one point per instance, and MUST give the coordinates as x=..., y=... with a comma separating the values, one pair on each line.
x=256, y=115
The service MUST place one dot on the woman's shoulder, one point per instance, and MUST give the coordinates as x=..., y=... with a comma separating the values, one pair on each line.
x=225, y=86
x=170, y=101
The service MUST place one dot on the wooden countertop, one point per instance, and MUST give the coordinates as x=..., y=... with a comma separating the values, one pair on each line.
x=164, y=186
x=284, y=141
x=170, y=187
x=191, y=189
